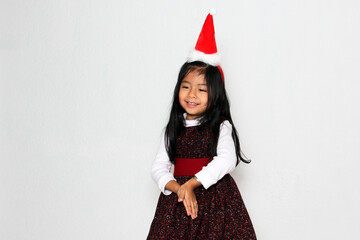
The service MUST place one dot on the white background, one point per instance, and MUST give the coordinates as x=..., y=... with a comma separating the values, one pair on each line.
x=86, y=88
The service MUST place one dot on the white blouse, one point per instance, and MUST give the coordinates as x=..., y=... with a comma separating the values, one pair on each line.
x=223, y=163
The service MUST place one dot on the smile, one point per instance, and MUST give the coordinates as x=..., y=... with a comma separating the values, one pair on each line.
x=192, y=103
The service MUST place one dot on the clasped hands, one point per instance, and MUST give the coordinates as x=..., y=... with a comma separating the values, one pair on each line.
x=186, y=195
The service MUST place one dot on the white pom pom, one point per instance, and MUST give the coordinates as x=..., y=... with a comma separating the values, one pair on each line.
x=212, y=11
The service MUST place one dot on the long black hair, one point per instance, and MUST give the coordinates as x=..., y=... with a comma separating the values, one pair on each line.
x=218, y=110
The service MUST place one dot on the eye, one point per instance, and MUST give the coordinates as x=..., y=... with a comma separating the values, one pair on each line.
x=202, y=90
x=185, y=87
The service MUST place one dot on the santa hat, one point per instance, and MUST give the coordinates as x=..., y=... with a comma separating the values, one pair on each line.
x=205, y=48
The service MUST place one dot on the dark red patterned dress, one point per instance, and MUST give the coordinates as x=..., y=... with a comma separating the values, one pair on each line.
x=222, y=213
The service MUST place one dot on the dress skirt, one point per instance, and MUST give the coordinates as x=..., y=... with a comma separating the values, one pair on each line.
x=221, y=215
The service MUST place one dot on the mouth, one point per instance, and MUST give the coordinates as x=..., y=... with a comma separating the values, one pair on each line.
x=191, y=104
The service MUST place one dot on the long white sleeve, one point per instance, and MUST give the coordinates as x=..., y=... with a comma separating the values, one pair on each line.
x=224, y=162
x=161, y=168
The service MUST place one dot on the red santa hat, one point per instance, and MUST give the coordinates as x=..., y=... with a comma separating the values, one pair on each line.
x=205, y=48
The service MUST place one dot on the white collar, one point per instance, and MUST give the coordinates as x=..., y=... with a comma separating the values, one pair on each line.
x=191, y=123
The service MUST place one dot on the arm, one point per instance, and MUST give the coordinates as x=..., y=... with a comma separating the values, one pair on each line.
x=224, y=162
x=172, y=186
x=161, y=170
x=167, y=183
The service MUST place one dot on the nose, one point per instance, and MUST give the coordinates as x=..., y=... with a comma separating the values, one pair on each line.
x=192, y=93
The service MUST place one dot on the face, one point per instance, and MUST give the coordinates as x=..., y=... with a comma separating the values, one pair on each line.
x=193, y=95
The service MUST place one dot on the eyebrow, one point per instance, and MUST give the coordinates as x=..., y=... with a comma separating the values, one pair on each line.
x=184, y=81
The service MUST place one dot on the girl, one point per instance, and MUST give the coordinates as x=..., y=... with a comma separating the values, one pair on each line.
x=200, y=200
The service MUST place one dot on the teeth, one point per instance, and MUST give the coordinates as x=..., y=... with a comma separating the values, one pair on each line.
x=191, y=103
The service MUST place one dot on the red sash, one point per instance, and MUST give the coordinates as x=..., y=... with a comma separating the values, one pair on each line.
x=189, y=166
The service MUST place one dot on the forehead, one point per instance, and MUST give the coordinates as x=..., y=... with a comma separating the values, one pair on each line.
x=195, y=77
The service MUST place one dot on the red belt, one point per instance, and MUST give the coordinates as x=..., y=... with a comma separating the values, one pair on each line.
x=189, y=166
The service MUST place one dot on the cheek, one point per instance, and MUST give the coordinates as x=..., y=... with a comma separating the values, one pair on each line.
x=205, y=101
x=181, y=95
x=181, y=98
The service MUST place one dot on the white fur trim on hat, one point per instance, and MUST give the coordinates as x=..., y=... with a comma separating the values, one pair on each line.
x=212, y=59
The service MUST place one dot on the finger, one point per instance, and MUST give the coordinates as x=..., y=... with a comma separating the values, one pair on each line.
x=192, y=210
x=187, y=207
x=188, y=204
x=181, y=196
x=193, y=214
x=196, y=208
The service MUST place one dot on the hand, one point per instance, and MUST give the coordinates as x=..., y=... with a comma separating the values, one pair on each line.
x=187, y=196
